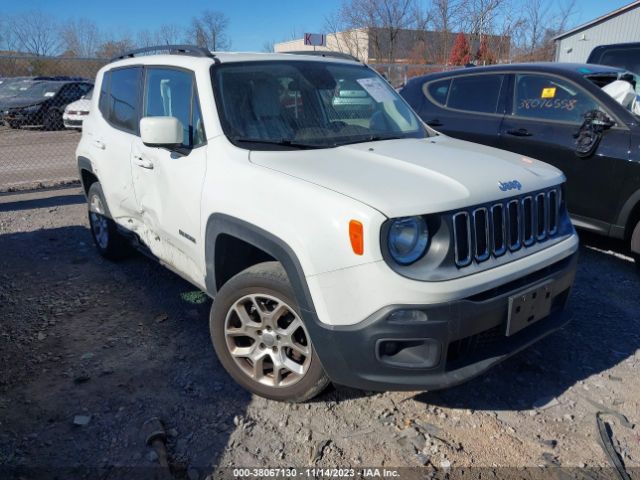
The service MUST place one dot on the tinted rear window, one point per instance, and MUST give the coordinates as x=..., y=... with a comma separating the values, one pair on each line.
x=475, y=93
x=124, y=98
x=439, y=90
x=103, y=102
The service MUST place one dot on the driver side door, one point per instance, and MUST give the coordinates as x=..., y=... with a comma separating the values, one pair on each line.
x=544, y=114
x=168, y=182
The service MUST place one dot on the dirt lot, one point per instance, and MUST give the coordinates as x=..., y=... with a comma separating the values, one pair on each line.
x=30, y=156
x=108, y=345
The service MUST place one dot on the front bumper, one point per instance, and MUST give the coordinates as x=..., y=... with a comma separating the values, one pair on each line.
x=451, y=343
x=21, y=119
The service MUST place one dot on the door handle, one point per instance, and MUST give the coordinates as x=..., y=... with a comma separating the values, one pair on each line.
x=520, y=132
x=140, y=161
x=434, y=123
x=99, y=144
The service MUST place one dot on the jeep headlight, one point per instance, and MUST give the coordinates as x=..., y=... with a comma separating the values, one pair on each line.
x=408, y=239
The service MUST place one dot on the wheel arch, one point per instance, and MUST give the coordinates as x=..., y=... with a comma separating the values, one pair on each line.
x=223, y=228
x=629, y=214
x=86, y=174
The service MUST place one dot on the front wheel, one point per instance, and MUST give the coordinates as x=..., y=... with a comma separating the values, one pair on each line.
x=52, y=120
x=260, y=338
x=635, y=245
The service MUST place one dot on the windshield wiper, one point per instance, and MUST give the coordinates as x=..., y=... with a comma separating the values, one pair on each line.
x=281, y=141
x=372, y=138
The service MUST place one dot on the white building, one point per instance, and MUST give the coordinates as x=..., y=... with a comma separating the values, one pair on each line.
x=619, y=26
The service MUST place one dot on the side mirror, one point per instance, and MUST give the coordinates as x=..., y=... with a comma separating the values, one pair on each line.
x=161, y=132
x=598, y=118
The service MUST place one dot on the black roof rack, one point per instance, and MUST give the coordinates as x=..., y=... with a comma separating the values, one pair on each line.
x=326, y=53
x=191, y=50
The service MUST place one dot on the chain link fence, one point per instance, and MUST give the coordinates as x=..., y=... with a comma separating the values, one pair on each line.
x=42, y=105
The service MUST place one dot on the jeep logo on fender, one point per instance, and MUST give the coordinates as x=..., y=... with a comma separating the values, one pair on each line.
x=512, y=185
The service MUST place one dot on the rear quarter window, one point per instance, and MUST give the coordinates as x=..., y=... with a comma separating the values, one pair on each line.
x=103, y=101
x=437, y=91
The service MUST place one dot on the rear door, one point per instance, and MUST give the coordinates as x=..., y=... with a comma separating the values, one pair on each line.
x=544, y=114
x=111, y=133
x=469, y=107
x=168, y=183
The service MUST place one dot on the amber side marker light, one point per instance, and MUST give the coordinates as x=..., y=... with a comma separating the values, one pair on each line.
x=356, y=236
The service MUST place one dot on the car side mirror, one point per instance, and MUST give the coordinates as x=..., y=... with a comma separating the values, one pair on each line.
x=599, y=119
x=161, y=132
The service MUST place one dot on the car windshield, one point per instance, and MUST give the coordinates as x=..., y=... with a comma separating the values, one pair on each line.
x=302, y=104
x=11, y=86
x=38, y=89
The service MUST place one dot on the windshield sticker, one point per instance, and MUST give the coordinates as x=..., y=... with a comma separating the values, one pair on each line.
x=377, y=89
x=556, y=104
x=548, y=92
x=49, y=94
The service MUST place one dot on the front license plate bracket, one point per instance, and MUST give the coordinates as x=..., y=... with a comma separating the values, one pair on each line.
x=529, y=306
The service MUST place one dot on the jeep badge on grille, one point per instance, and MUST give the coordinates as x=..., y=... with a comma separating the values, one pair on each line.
x=512, y=185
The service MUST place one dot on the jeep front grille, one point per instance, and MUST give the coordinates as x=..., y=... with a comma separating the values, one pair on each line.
x=485, y=232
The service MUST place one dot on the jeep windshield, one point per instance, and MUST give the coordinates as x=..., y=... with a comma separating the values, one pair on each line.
x=301, y=104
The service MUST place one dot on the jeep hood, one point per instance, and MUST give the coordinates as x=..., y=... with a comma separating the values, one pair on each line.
x=414, y=176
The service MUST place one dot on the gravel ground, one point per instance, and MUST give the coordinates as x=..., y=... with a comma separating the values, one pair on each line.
x=30, y=157
x=90, y=349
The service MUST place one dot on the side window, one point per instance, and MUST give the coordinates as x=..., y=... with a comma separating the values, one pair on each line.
x=124, y=98
x=550, y=98
x=475, y=93
x=103, y=101
x=169, y=92
x=437, y=90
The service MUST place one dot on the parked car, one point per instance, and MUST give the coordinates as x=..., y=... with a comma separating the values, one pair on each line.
x=538, y=110
x=622, y=55
x=367, y=251
x=42, y=102
x=76, y=111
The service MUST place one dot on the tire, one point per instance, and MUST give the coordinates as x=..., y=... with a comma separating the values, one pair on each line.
x=257, y=293
x=634, y=242
x=52, y=120
x=108, y=240
x=14, y=125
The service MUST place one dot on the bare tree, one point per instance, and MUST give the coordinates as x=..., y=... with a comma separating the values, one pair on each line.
x=169, y=34
x=80, y=38
x=269, y=46
x=540, y=24
x=36, y=33
x=384, y=19
x=210, y=30
x=446, y=17
x=342, y=37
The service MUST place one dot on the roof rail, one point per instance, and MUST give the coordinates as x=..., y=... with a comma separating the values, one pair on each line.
x=191, y=50
x=326, y=53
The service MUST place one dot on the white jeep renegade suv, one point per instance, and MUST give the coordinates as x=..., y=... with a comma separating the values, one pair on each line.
x=342, y=242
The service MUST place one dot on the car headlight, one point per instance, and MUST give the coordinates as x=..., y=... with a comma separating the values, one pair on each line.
x=408, y=239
